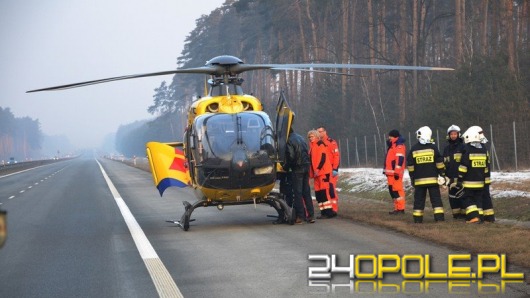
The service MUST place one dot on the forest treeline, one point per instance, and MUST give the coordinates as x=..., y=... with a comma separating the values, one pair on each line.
x=486, y=42
x=20, y=138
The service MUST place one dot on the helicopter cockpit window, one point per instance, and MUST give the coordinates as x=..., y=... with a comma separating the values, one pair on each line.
x=220, y=134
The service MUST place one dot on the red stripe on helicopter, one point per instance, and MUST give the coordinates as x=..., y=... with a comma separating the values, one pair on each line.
x=178, y=162
x=179, y=177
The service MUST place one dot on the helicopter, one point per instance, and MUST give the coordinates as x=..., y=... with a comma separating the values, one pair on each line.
x=231, y=150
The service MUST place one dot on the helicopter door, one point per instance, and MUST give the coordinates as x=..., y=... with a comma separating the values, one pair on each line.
x=284, y=120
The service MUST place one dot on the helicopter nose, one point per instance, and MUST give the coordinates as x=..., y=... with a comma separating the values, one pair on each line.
x=239, y=160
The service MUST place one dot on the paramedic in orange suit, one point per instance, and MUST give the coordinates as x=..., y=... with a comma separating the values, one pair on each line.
x=320, y=170
x=334, y=154
x=394, y=168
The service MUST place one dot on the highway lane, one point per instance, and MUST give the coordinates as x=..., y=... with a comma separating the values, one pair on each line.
x=68, y=238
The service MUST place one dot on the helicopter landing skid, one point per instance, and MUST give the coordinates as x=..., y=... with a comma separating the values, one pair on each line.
x=184, y=222
x=285, y=214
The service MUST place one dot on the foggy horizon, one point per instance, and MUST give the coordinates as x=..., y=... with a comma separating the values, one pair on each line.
x=60, y=42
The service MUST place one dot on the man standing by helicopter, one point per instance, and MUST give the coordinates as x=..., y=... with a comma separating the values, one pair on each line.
x=320, y=171
x=334, y=155
x=297, y=167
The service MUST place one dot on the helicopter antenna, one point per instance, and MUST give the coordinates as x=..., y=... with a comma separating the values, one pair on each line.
x=227, y=91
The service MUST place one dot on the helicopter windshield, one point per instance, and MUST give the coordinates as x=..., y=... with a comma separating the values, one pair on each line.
x=220, y=133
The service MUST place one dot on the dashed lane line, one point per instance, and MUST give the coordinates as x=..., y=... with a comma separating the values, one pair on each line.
x=164, y=283
x=36, y=183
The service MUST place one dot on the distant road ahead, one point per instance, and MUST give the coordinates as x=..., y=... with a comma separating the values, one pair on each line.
x=69, y=238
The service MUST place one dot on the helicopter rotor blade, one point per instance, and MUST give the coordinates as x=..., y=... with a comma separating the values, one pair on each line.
x=229, y=65
x=318, y=71
x=243, y=67
x=198, y=70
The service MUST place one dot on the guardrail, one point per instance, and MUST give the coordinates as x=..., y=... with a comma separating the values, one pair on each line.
x=20, y=166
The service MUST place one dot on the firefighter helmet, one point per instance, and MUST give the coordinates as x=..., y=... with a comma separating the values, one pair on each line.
x=423, y=134
x=472, y=135
x=454, y=128
x=483, y=138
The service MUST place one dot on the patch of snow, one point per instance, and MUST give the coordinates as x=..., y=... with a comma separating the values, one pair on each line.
x=509, y=193
x=373, y=179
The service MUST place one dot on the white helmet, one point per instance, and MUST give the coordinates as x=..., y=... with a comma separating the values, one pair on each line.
x=453, y=128
x=423, y=134
x=472, y=135
x=482, y=137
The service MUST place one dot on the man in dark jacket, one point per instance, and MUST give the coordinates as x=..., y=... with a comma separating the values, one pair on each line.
x=452, y=155
x=297, y=166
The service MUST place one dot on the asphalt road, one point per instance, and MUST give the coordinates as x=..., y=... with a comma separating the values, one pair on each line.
x=70, y=235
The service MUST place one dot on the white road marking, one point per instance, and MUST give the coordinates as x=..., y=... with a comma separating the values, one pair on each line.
x=11, y=197
x=164, y=283
x=36, y=183
x=22, y=191
x=30, y=187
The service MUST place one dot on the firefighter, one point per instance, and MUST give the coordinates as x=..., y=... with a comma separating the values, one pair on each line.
x=320, y=170
x=485, y=207
x=452, y=154
x=394, y=168
x=472, y=173
x=334, y=155
x=425, y=165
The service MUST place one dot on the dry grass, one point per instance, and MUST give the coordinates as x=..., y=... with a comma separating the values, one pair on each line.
x=485, y=238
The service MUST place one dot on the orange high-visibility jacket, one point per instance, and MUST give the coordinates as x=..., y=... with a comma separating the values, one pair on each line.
x=319, y=159
x=395, y=157
x=333, y=149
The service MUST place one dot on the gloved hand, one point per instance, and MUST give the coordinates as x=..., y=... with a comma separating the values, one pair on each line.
x=335, y=173
x=443, y=181
x=456, y=185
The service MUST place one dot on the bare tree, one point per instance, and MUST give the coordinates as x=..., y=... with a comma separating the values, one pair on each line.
x=459, y=32
x=508, y=26
x=402, y=60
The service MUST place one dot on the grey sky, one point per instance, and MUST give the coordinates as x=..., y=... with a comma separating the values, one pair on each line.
x=55, y=42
